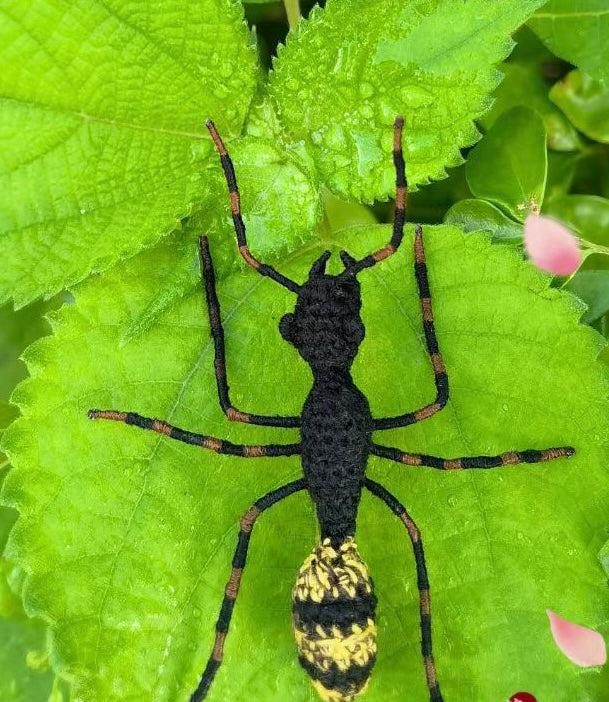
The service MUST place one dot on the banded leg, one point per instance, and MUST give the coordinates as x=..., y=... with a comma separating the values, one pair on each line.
x=208, y=442
x=399, y=217
x=422, y=583
x=504, y=459
x=235, y=206
x=440, y=375
x=232, y=587
x=217, y=331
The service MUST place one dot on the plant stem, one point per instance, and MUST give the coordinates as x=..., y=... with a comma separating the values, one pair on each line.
x=292, y=10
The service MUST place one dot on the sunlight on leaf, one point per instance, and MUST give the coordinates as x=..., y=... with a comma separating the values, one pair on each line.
x=433, y=62
x=126, y=538
x=101, y=102
x=576, y=30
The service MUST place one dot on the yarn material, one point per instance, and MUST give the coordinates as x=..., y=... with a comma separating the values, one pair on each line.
x=334, y=602
x=334, y=620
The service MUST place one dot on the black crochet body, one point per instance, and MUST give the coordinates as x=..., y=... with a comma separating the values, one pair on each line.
x=336, y=429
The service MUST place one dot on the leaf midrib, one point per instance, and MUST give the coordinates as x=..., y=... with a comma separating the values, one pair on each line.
x=86, y=117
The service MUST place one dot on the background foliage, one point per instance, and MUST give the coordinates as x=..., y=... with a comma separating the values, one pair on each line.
x=123, y=541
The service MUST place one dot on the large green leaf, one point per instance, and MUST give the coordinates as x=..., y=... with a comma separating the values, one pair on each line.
x=126, y=537
x=351, y=68
x=100, y=102
x=577, y=31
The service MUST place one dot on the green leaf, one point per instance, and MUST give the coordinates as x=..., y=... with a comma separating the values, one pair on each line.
x=126, y=537
x=578, y=32
x=431, y=61
x=17, y=331
x=593, y=288
x=476, y=215
x=561, y=173
x=101, y=102
x=524, y=85
x=587, y=215
x=585, y=102
x=509, y=165
x=19, y=682
x=281, y=209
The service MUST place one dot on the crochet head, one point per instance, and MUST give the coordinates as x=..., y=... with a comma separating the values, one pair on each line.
x=326, y=326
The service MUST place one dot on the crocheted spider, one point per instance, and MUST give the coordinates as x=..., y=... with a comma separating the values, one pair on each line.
x=333, y=598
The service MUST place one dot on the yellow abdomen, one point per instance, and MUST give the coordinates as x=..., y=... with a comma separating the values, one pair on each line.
x=334, y=620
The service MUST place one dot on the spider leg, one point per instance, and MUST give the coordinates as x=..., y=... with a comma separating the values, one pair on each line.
x=503, y=459
x=232, y=587
x=215, y=322
x=208, y=442
x=235, y=205
x=399, y=217
x=440, y=375
x=422, y=583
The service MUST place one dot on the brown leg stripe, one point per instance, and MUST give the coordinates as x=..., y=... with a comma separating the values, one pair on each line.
x=232, y=587
x=397, y=133
x=216, y=138
x=454, y=464
x=411, y=459
x=413, y=530
x=400, y=198
x=212, y=444
x=383, y=253
x=553, y=453
x=510, y=458
x=235, y=202
x=110, y=414
x=426, y=307
x=218, y=647
x=425, y=602
x=249, y=259
x=255, y=451
x=430, y=671
x=248, y=519
x=161, y=427
x=419, y=251
x=427, y=411
x=437, y=363
x=237, y=416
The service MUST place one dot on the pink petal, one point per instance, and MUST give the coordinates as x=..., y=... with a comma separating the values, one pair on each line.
x=583, y=646
x=551, y=246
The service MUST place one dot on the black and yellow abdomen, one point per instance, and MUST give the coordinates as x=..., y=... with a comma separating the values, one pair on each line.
x=334, y=620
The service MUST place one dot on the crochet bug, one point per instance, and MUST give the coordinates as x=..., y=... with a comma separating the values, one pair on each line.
x=333, y=599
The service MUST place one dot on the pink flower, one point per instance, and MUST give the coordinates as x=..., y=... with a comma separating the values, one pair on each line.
x=585, y=647
x=551, y=246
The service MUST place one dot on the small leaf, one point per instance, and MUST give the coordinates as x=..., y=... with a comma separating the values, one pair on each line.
x=576, y=31
x=551, y=246
x=431, y=61
x=524, y=84
x=584, y=646
x=509, y=165
x=588, y=215
x=593, y=288
x=476, y=215
x=101, y=103
x=585, y=102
